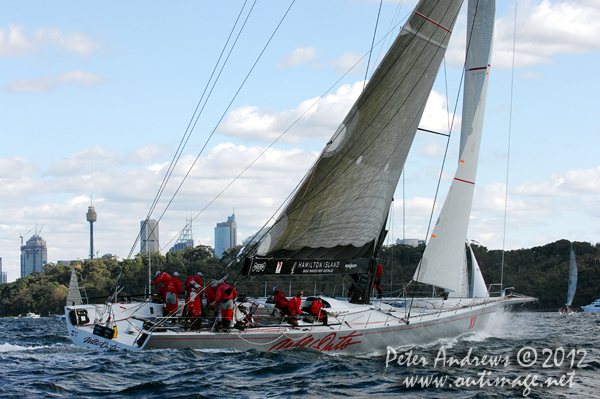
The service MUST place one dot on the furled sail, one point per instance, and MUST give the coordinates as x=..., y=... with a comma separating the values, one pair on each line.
x=572, y=278
x=336, y=217
x=442, y=260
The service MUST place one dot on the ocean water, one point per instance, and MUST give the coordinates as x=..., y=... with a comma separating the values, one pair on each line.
x=520, y=355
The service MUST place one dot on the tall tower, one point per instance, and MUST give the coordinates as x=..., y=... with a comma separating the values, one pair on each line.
x=91, y=217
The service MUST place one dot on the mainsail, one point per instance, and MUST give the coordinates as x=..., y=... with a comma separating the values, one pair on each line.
x=335, y=220
x=73, y=294
x=572, y=278
x=442, y=264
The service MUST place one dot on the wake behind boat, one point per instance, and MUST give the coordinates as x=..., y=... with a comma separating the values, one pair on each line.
x=335, y=224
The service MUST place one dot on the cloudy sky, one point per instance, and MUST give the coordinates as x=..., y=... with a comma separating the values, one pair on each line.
x=95, y=99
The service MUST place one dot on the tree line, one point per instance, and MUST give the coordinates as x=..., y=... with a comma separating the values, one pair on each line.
x=542, y=272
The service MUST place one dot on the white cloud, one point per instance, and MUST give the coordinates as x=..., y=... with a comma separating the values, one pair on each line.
x=545, y=29
x=573, y=182
x=298, y=56
x=123, y=191
x=347, y=61
x=51, y=83
x=15, y=43
x=319, y=118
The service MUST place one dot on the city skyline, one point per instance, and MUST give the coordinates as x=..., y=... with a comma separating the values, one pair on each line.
x=97, y=105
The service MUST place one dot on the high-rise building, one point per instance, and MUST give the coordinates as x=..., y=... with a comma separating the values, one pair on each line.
x=225, y=235
x=149, y=236
x=33, y=255
x=3, y=277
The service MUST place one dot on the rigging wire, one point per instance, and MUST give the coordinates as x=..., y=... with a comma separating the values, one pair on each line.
x=226, y=110
x=512, y=83
x=372, y=44
x=190, y=127
x=277, y=139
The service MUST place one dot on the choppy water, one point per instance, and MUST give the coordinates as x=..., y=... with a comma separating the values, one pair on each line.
x=37, y=359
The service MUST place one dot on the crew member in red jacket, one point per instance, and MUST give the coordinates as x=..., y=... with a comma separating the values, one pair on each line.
x=226, y=294
x=189, y=283
x=173, y=290
x=316, y=308
x=162, y=277
x=293, y=309
x=208, y=311
x=377, y=281
x=194, y=305
x=280, y=300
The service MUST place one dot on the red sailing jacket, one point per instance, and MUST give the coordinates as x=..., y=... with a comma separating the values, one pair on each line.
x=222, y=294
x=280, y=300
x=174, y=285
x=294, y=305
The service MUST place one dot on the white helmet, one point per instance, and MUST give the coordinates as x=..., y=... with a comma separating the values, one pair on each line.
x=199, y=274
x=157, y=273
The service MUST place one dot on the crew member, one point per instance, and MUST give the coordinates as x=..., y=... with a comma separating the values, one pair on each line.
x=377, y=281
x=194, y=306
x=293, y=309
x=162, y=277
x=280, y=300
x=173, y=290
x=226, y=294
x=316, y=308
x=208, y=311
x=190, y=282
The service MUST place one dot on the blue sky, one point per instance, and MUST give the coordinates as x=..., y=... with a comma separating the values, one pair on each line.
x=95, y=97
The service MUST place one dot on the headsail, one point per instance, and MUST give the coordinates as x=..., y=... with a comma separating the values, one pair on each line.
x=335, y=220
x=442, y=262
x=478, y=287
x=572, y=277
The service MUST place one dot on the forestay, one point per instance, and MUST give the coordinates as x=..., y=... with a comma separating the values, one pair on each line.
x=340, y=208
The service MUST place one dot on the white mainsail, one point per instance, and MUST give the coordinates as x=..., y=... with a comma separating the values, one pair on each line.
x=442, y=263
x=572, y=278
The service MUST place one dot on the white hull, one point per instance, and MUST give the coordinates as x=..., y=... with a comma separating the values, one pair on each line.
x=593, y=307
x=354, y=329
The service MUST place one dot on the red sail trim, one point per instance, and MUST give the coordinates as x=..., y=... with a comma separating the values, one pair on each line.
x=464, y=181
x=433, y=22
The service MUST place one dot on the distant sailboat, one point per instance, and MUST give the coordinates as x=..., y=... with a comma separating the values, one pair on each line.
x=572, y=283
x=73, y=294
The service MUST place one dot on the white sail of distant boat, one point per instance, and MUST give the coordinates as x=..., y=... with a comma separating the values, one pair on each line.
x=443, y=262
x=572, y=278
x=73, y=294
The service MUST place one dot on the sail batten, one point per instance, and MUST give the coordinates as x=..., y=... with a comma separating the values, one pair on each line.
x=341, y=206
